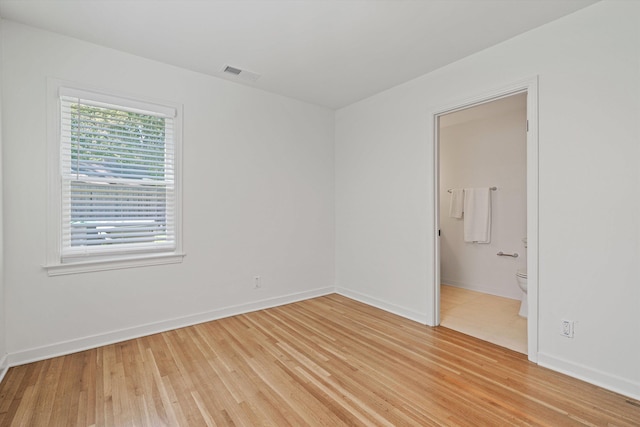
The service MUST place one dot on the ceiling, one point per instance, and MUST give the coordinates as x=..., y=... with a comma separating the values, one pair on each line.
x=326, y=52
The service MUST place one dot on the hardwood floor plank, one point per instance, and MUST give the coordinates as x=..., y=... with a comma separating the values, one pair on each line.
x=328, y=361
x=9, y=394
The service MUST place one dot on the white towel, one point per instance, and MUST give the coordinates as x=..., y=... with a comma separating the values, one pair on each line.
x=457, y=203
x=477, y=215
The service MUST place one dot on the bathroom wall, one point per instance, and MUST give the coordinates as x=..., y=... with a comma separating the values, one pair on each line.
x=484, y=152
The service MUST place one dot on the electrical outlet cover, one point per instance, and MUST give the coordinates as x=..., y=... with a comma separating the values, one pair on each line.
x=567, y=328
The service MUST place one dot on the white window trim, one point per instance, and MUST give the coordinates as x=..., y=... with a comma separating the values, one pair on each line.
x=53, y=264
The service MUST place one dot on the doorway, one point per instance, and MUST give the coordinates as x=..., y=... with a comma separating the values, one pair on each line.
x=463, y=269
x=484, y=146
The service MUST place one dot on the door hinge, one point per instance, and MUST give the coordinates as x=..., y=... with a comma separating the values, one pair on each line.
x=527, y=125
x=438, y=233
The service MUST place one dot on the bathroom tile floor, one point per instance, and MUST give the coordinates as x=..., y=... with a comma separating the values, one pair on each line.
x=488, y=317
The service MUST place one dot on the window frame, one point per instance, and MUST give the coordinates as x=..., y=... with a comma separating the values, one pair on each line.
x=55, y=265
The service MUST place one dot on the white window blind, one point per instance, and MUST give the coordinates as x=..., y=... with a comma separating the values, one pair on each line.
x=118, y=169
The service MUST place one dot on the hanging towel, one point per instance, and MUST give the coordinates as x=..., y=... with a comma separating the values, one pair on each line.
x=457, y=203
x=477, y=215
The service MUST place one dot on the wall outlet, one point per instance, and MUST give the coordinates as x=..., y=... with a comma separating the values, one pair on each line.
x=567, y=328
x=256, y=282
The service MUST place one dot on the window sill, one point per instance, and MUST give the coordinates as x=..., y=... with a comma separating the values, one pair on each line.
x=113, y=264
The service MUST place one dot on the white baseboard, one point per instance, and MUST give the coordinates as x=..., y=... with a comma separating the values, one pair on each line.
x=4, y=366
x=392, y=308
x=593, y=376
x=485, y=289
x=86, y=343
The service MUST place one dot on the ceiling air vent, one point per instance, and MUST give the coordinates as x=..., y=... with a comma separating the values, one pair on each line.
x=232, y=70
x=240, y=74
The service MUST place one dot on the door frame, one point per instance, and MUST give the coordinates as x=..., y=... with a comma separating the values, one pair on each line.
x=529, y=86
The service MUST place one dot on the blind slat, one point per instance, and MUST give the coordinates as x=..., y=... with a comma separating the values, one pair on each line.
x=136, y=184
x=150, y=155
x=74, y=123
x=133, y=143
x=119, y=118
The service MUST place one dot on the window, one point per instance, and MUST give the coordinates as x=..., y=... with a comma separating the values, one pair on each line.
x=117, y=176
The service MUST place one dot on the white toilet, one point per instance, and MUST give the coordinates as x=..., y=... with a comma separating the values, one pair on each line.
x=521, y=276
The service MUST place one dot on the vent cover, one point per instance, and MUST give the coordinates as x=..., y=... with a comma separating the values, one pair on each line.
x=232, y=70
x=240, y=74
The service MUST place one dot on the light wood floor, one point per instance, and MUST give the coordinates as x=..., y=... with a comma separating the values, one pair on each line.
x=329, y=361
x=488, y=317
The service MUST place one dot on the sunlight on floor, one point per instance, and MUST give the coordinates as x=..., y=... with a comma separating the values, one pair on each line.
x=488, y=317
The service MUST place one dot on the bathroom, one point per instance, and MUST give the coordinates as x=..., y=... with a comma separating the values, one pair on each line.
x=485, y=147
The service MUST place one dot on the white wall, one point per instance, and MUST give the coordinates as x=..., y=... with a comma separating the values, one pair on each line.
x=485, y=152
x=3, y=347
x=589, y=203
x=258, y=200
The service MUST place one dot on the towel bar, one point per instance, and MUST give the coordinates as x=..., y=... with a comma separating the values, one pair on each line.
x=490, y=188
x=514, y=255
